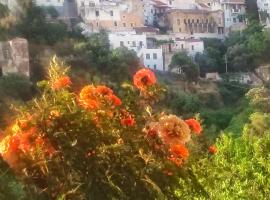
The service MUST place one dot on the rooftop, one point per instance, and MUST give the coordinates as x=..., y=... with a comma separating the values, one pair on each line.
x=140, y=30
x=160, y=4
x=188, y=40
x=233, y=1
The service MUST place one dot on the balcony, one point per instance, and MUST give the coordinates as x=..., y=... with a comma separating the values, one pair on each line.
x=236, y=11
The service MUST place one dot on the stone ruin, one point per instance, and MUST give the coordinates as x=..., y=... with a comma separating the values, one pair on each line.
x=14, y=57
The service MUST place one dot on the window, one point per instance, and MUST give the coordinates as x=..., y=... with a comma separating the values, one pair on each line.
x=115, y=23
x=111, y=13
x=131, y=24
x=121, y=43
x=154, y=56
x=155, y=66
x=97, y=13
x=147, y=56
x=182, y=46
x=192, y=47
x=234, y=20
x=141, y=43
x=134, y=44
x=178, y=21
x=124, y=24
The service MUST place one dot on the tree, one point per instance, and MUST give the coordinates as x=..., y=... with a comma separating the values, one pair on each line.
x=240, y=59
x=33, y=26
x=16, y=86
x=95, y=50
x=118, y=64
x=182, y=62
x=5, y=21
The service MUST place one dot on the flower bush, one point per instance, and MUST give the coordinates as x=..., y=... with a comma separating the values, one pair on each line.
x=96, y=144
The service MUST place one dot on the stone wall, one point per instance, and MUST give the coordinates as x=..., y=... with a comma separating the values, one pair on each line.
x=14, y=57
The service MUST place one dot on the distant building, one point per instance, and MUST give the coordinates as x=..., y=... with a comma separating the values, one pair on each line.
x=196, y=22
x=243, y=78
x=111, y=15
x=130, y=40
x=175, y=45
x=153, y=9
x=150, y=57
x=181, y=4
x=190, y=45
x=264, y=12
x=213, y=76
x=54, y=3
x=234, y=11
x=153, y=58
x=146, y=30
x=14, y=57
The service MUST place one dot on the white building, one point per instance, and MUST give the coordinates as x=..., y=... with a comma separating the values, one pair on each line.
x=152, y=58
x=191, y=46
x=234, y=11
x=130, y=40
x=111, y=14
x=181, y=4
x=264, y=12
x=54, y=3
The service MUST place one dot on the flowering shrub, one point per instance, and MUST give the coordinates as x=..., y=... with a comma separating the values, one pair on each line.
x=92, y=144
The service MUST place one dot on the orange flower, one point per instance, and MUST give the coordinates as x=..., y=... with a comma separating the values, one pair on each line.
x=179, y=151
x=194, y=125
x=92, y=97
x=144, y=78
x=104, y=90
x=62, y=82
x=14, y=144
x=87, y=97
x=129, y=121
x=212, y=149
x=116, y=101
x=23, y=124
x=27, y=140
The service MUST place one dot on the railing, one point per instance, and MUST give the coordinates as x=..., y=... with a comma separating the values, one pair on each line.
x=236, y=11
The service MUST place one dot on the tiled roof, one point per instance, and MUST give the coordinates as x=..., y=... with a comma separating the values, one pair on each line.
x=160, y=4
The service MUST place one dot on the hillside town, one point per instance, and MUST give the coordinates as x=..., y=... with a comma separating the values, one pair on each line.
x=139, y=25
